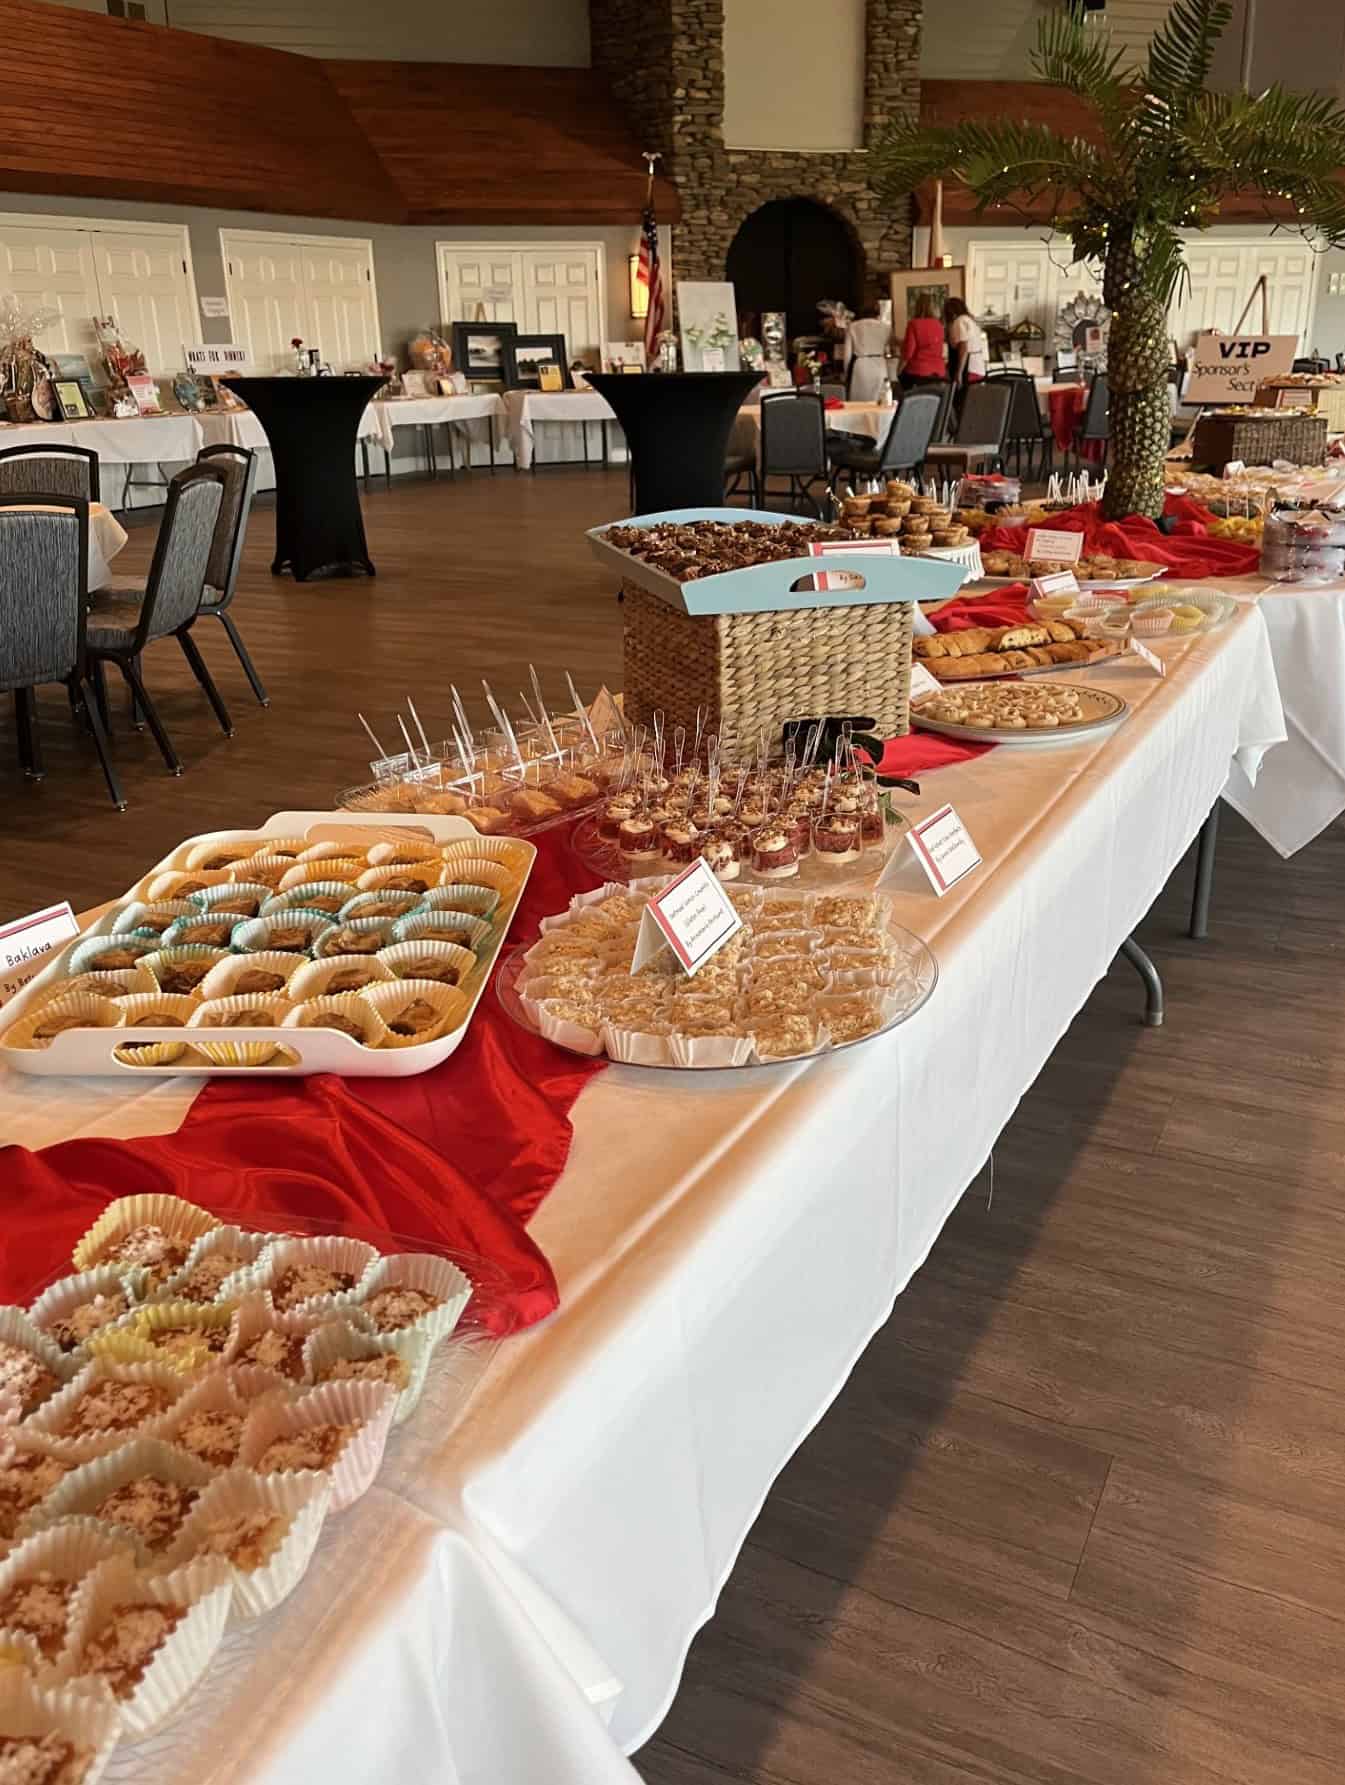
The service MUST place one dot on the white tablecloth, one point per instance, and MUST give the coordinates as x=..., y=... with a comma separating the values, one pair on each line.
x=526, y=410
x=871, y=419
x=479, y=416
x=725, y=1249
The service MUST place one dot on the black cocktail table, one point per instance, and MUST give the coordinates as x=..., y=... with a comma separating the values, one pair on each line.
x=311, y=425
x=677, y=426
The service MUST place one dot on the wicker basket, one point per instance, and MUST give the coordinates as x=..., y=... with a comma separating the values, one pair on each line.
x=755, y=671
x=1299, y=439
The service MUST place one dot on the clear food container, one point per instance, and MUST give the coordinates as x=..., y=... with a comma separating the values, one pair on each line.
x=1303, y=545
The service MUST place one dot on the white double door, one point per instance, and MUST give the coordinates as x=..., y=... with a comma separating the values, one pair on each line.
x=318, y=289
x=138, y=273
x=545, y=289
x=1025, y=281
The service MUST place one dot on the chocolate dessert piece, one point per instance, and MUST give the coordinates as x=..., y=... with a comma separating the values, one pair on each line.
x=26, y=1377
x=39, y=1606
x=276, y=1350
x=299, y=1283
x=212, y=1435
x=315, y=1447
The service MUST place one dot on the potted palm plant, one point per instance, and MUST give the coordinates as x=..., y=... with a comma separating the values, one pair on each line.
x=1159, y=155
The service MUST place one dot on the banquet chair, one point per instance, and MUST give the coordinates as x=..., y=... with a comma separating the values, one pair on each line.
x=44, y=578
x=1094, y=423
x=120, y=629
x=239, y=465
x=1027, y=425
x=908, y=438
x=793, y=444
x=739, y=463
x=979, y=441
x=60, y=470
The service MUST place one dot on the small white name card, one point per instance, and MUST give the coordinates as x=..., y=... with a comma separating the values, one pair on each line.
x=1056, y=545
x=27, y=944
x=693, y=916
x=944, y=849
x=1155, y=662
x=923, y=683
x=845, y=579
x=1060, y=582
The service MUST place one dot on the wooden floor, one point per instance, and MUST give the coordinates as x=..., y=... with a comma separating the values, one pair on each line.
x=1077, y=1515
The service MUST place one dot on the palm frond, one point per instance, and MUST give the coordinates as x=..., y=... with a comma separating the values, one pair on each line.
x=997, y=160
x=1080, y=57
x=1182, y=49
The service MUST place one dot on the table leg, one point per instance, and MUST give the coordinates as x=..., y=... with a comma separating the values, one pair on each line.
x=452, y=462
x=1153, y=985
x=364, y=456
x=1204, y=886
x=431, y=461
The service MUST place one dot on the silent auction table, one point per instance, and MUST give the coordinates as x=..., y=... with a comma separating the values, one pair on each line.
x=725, y=1245
x=677, y=426
x=527, y=410
x=477, y=416
x=312, y=425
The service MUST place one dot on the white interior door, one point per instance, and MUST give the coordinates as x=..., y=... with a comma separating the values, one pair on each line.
x=52, y=269
x=265, y=286
x=562, y=295
x=1222, y=276
x=143, y=281
x=1013, y=281
x=318, y=288
x=480, y=283
x=339, y=287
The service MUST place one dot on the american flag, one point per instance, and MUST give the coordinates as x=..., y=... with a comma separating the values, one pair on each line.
x=650, y=273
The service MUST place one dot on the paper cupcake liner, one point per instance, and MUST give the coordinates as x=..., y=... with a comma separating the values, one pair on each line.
x=425, y=1271
x=369, y=1405
x=402, y=853
x=709, y=1050
x=131, y=1339
x=257, y=1314
x=179, y=1219
x=412, y=877
x=62, y=1298
x=216, y=1393
x=205, y=1588
x=232, y=897
x=19, y=1330
x=335, y=1252
x=18, y=1650
x=435, y=926
x=49, y=1420
x=567, y=1034
x=476, y=901
x=115, y=984
x=85, y=955
x=153, y=1004
x=335, y=1340
x=394, y=995
x=401, y=958
x=382, y=906
x=70, y=1552
x=240, y=1048
x=313, y=977
x=222, y=979
x=178, y=883
x=206, y=929
x=348, y=937
x=303, y=1500
x=284, y=848
x=257, y=934
x=253, y=1382
x=149, y=918
x=322, y=852
x=88, y=1485
x=351, y=1005
x=85, y=1717
x=636, y=1047
x=331, y=868
x=264, y=870
x=237, y=844
x=326, y=896
x=92, y=1011
x=494, y=849
x=475, y=870
x=249, y=1244
x=164, y=960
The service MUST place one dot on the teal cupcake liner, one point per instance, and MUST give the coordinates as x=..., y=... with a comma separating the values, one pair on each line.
x=326, y=896
x=212, y=929
x=360, y=936
x=86, y=955
x=145, y=919
x=378, y=906
x=235, y=897
x=476, y=901
x=440, y=926
x=260, y=934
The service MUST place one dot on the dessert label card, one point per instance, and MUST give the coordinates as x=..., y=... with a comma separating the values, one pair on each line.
x=693, y=916
x=28, y=943
x=1061, y=582
x=1055, y=545
x=1155, y=662
x=922, y=682
x=944, y=849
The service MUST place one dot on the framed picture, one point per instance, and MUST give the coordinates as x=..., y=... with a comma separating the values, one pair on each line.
x=478, y=349
x=74, y=405
x=76, y=366
x=623, y=356
x=526, y=355
x=416, y=384
x=913, y=283
x=707, y=316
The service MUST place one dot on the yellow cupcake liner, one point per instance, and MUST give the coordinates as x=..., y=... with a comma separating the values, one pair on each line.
x=339, y=867
x=313, y=977
x=401, y=957
x=387, y=999
x=505, y=850
x=239, y=1049
x=131, y=1340
x=93, y=1013
x=178, y=1219
x=239, y=844
x=404, y=852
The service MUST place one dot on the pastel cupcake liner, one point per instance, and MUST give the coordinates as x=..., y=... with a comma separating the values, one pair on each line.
x=392, y=996
x=203, y=1587
x=113, y=984
x=187, y=955
x=402, y=958
x=439, y=926
x=173, y=1009
x=202, y=928
x=333, y=1252
x=302, y=1500
x=91, y=1011
x=313, y=977
x=401, y=853
x=86, y=1718
x=86, y=955
x=385, y=906
x=88, y=1485
x=236, y=845
x=237, y=896
x=337, y=1340
x=477, y=901
x=251, y=1246
x=494, y=849
x=351, y=936
x=238, y=1050
x=132, y=1339
x=19, y=1329
x=264, y=870
x=177, y=883
x=474, y=871
x=412, y=877
x=222, y=981
x=177, y=1218
x=368, y=1405
x=149, y=919
x=68, y=1552
x=49, y=1420
x=258, y=935
x=424, y=1271
x=329, y=869
x=62, y=1298
x=326, y=896
x=282, y=848
x=322, y=852
x=352, y=1006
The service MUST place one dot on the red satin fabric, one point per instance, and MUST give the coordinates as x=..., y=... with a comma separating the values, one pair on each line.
x=458, y=1158
x=1065, y=408
x=1189, y=551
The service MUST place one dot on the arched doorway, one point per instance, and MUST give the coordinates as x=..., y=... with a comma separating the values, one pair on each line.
x=788, y=255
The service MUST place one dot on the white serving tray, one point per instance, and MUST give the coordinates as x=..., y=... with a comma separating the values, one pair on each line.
x=88, y=1053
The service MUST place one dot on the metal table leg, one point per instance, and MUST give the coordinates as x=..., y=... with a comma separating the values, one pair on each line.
x=431, y=461
x=364, y=455
x=1153, y=985
x=1204, y=886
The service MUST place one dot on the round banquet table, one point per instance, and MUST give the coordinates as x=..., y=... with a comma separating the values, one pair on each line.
x=107, y=536
x=677, y=426
x=312, y=424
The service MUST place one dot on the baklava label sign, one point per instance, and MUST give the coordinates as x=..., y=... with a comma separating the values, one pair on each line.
x=693, y=916
x=28, y=943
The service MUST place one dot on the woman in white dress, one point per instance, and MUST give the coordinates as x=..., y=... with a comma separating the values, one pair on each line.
x=865, y=355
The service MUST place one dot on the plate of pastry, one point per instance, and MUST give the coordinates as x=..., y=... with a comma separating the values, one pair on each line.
x=1032, y=648
x=1019, y=712
x=1098, y=571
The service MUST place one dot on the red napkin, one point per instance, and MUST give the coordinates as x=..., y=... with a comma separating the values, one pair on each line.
x=911, y=756
x=833, y=403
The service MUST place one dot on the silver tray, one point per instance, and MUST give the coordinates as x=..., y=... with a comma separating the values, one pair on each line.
x=1109, y=711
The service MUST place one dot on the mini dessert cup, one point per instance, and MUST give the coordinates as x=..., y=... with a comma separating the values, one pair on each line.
x=384, y=905
x=177, y=883
x=86, y=1487
x=365, y=1406
x=225, y=851
x=327, y=852
x=264, y=974
x=722, y=858
x=70, y=1553
x=347, y=868
x=71, y=1311
x=110, y=954
x=179, y=971
x=239, y=898
x=338, y=974
x=105, y=985
x=413, y=877
x=680, y=841
x=35, y=1378
x=1151, y=622
x=347, y=1012
x=142, y=919
x=238, y=1013
x=479, y=872
x=202, y=1591
x=290, y=932
x=615, y=813
x=775, y=855
x=281, y=1275
x=153, y=1010
x=402, y=853
x=510, y=854
x=235, y=1522
x=355, y=936
x=185, y=1337
x=476, y=901
x=417, y=1010
x=188, y=1427
x=424, y=1276
x=836, y=838
x=74, y=1713
x=51, y=1421
x=264, y=870
x=221, y=1244
x=68, y=1010
x=326, y=896
x=454, y=927
x=117, y=1234
x=444, y=962
x=339, y=1348
x=637, y=838
x=570, y=1023
x=268, y=1342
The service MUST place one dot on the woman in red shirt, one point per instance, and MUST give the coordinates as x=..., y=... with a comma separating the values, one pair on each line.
x=924, y=352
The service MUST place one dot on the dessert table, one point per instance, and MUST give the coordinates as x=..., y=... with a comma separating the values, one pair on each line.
x=526, y=410
x=725, y=1248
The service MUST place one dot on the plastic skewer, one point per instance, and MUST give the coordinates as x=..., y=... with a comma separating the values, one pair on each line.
x=382, y=753
x=541, y=708
x=582, y=711
x=411, y=748
x=420, y=728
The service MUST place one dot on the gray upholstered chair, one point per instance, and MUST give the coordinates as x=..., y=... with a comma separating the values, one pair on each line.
x=981, y=428
x=239, y=465
x=56, y=470
x=904, y=446
x=120, y=629
x=44, y=588
x=793, y=444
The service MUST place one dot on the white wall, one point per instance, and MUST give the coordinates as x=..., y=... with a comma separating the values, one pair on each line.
x=793, y=74
x=992, y=39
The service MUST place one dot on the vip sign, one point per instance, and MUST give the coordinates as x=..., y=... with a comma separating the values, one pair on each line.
x=1228, y=368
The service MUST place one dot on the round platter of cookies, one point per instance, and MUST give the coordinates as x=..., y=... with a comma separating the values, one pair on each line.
x=1019, y=712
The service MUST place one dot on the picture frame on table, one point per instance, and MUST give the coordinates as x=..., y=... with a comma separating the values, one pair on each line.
x=479, y=351
x=707, y=315
x=910, y=284
x=417, y=384
x=526, y=355
x=76, y=366
x=71, y=400
x=624, y=356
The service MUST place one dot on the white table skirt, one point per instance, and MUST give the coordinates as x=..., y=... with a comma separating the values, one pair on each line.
x=478, y=416
x=526, y=410
x=725, y=1249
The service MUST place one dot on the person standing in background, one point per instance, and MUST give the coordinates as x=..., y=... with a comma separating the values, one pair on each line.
x=865, y=354
x=967, y=345
x=924, y=353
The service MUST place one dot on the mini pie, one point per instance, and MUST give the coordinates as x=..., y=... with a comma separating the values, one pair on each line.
x=148, y=1506
x=128, y=1640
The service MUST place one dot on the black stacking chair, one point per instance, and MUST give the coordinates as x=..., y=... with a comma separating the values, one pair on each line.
x=1094, y=423
x=36, y=470
x=981, y=427
x=1027, y=427
x=793, y=444
x=907, y=442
